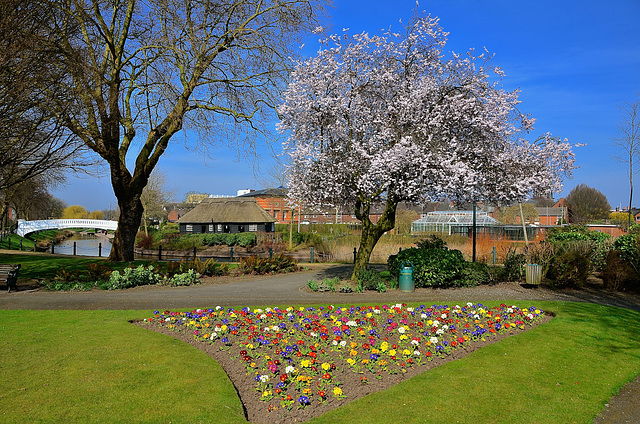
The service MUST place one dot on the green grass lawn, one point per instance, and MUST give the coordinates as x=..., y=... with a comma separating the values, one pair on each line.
x=93, y=366
x=46, y=266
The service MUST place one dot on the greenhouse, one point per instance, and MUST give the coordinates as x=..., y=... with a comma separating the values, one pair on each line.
x=452, y=222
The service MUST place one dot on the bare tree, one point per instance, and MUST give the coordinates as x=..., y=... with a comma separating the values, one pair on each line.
x=139, y=73
x=627, y=143
x=155, y=196
x=32, y=141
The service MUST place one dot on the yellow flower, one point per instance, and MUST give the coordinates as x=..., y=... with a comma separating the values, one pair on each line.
x=406, y=352
x=351, y=361
x=337, y=391
x=404, y=337
x=354, y=345
x=353, y=352
x=392, y=352
x=375, y=351
x=305, y=363
x=430, y=322
x=326, y=366
x=384, y=346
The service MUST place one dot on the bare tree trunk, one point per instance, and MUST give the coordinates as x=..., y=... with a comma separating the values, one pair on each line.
x=371, y=233
x=122, y=248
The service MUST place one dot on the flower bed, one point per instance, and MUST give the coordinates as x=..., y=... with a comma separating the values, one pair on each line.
x=292, y=364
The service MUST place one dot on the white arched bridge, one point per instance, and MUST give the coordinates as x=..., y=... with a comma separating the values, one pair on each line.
x=26, y=227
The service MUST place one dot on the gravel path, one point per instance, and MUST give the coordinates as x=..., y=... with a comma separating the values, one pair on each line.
x=287, y=289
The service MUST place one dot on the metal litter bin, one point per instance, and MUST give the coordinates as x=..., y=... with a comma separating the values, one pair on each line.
x=533, y=274
x=405, y=281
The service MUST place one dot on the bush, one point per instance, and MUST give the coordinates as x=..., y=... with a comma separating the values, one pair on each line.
x=210, y=267
x=257, y=265
x=185, y=279
x=132, y=277
x=144, y=241
x=368, y=279
x=513, y=266
x=98, y=271
x=432, y=242
x=431, y=267
x=619, y=274
x=569, y=269
x=629, y=249
x=474, y=273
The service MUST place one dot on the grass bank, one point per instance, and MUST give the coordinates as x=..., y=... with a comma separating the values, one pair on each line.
x=44, y=266
x=93, y=366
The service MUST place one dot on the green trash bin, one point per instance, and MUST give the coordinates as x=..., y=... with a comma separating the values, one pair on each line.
x=405, y=282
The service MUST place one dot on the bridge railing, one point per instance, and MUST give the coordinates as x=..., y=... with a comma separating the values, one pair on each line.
x=26, y=227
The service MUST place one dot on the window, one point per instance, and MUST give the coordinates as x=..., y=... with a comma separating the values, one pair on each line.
x=277, y=204
x=253, y=227
x=189, y=228
x=275, y=214
x=219, y=228
x=241, y=228
x=211, y=228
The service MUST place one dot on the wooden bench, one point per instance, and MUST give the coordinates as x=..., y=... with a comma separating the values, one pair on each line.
x=9, y=275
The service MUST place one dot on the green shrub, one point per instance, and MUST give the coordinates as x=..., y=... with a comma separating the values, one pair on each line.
x=513, y=266
x=474, y=273
x=132, y=277
x=328, y=284
x=185, y=279
x=368, y=279
x=569, y=269
x=432, y=242
x=431, y=267
x=629, y=249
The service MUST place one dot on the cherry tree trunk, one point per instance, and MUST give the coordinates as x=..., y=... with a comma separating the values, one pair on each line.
x=371, y=233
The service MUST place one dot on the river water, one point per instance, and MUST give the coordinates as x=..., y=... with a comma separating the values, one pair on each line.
x=86, y=245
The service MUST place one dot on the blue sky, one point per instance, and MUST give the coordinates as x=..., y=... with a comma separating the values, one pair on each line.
x=575, y=62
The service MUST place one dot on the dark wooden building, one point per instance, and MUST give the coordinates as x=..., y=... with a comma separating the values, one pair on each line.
x=227, y=215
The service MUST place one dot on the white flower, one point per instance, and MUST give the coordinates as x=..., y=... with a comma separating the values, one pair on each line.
x=289, y=369
x=423, y=315
x=443, y=316
x=434, y=340
x=401, y=330
x=335, y=343
x=415, y=342
x=264, y=378
x=213, y=336
x=416, y=352
x=445, y=327
x=439, y=331
x=343, y=343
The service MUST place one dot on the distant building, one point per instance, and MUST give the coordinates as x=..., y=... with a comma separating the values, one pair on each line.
x=272, y=200
x=227, y=215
